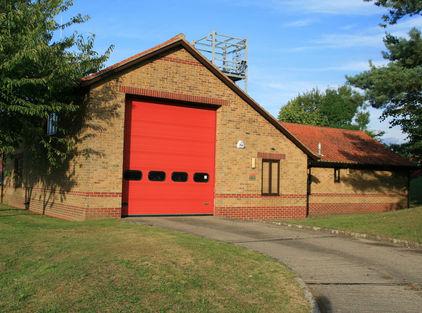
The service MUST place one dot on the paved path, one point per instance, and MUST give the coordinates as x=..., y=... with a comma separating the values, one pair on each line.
x=345, y=275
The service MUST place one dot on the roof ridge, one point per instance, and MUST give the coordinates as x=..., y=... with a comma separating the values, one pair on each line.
x=180, y=39
x=173, y=39
x=346, y=146
x=329, y=127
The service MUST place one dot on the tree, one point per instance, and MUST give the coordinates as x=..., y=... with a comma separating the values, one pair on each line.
x=398, y=9
x=303, y=109
x=397, y=87
x=39, y=76
x=340, y=108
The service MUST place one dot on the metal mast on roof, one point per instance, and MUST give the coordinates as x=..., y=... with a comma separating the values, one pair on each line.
x=228, y=53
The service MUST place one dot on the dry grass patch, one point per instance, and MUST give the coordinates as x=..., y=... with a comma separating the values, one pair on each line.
x=49, y=265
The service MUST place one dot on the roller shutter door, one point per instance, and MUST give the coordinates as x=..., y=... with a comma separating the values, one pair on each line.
x=168, y=159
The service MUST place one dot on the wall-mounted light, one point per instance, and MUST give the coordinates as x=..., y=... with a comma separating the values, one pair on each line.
x=240, y=144
x=253, y=163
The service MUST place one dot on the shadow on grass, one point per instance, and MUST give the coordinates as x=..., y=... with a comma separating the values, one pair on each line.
x=8, y=212
x=9, y=209
x=324, y=304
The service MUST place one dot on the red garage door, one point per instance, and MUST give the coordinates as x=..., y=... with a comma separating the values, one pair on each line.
x=169, y=159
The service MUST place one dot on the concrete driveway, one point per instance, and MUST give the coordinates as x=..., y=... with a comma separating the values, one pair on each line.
x=344, y=275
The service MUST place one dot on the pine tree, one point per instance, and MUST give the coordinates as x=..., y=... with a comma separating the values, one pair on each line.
x=398, y=9
x=397, y=87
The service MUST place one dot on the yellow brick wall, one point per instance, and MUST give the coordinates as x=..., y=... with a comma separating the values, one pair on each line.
x=93, y=183
x=358, y=191
x=236, y=120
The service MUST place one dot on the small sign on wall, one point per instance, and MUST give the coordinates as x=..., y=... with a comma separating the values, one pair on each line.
x=252, y=176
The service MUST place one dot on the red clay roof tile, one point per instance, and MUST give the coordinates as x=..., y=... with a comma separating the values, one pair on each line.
x=345, y=146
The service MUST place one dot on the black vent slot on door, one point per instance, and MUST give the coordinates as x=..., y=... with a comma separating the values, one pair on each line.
x=132, y=175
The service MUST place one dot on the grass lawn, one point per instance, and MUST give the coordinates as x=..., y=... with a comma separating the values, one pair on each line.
x=403, y=224
x=50, y=265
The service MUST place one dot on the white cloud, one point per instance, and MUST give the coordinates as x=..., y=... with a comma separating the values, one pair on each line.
x=352, y=66
x=349, y=40
x=370, y=37
x=407, y=24
x=300, y=23
x=332, y=6
x=355, y=66
x=339, y=7
x=341, y=41
x=348, y=27
x=273, y=91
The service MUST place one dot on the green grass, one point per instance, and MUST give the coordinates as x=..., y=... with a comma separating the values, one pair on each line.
x=50, y=265
x=403, y=224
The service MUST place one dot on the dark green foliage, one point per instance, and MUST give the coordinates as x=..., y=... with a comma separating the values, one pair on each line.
x=397, y=87
x=303, y=109
x=39, y=75
x=415, y=190
x=398, y=9
x=405, y=150
x=340, y=108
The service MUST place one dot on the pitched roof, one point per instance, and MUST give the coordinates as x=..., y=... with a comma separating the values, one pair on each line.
x=180, y=41
x=345, y=146
x=134, y=59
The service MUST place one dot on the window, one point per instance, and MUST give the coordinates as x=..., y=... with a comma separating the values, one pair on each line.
x=201, y=177
x=270, y=177
x=52, y=124
x=336, y=175
x=179, y=177
x=18, y=171
x=132, y=175
x=156, y=176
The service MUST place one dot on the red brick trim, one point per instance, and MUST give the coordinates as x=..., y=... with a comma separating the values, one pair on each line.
x=347, y=208
x=87, y=193
x=271, y=156
x=171, y=95
x=72, y=212
x=91, y=213
x=358, y=195
x=261, y=212
x=97, y=194
x=252, y=195
x=181, y=61
x=57, y=210
x=260, y=207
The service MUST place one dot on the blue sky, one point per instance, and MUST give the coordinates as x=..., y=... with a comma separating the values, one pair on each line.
x=294, y=45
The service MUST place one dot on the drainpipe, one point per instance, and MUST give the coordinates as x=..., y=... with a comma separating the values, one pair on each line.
x=308, y=189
